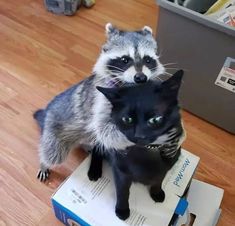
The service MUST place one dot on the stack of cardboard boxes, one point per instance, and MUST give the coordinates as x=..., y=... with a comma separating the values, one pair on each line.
x=79, y=201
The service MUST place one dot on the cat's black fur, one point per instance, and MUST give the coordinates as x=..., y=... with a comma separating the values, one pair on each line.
x=139, y=163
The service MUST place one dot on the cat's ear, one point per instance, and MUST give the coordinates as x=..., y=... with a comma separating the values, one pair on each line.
x=112, y=94
x=172, y=84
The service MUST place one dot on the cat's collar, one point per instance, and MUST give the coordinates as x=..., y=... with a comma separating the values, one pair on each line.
x=154, y=147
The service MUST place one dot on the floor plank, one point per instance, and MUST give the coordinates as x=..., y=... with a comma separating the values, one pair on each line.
x=43, y=54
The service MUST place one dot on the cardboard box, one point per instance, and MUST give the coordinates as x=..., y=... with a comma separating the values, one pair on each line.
x=203, y=209
x=79, y=201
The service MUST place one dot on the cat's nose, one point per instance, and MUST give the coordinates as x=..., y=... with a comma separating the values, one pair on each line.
x=140, y=137
x=140, y=77
x=141, y=141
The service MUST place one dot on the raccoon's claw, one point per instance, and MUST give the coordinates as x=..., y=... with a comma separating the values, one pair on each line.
x=43, y=175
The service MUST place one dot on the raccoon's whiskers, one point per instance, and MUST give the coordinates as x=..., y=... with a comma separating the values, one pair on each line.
x=115, y=79
x=168, y=73
x=113, y=72
x=154, y=68
x=168, y=64
x=160, y=53
x=171, y=68
x=115, y=83
x=118, y=68
x=157, y=77
x=99, y=79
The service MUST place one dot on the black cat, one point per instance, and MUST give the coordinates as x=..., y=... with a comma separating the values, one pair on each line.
x=149, y=116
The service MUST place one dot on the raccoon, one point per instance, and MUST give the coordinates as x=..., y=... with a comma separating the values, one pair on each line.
x=129, y=57
x=80, y=116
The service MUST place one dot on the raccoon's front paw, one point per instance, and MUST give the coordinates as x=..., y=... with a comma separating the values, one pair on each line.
x=158, y=196
x=122, y=214
x=43, y=175
x=94, y=173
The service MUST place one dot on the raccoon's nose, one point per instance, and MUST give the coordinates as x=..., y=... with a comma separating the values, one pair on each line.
x=140, y=77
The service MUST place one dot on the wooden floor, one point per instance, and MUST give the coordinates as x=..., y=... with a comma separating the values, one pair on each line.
x=42, y=54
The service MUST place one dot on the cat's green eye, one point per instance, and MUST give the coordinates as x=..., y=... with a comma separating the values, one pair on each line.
x=127, y=120
x=155, y=120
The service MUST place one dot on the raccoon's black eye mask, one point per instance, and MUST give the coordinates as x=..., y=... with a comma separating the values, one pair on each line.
x=121, y=64
x=149, y=62
x=125, y=59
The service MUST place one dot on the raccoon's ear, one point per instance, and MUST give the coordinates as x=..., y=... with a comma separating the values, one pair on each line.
x=172, y=84
x=147, y=30
x=112, y=94
x=110, y=30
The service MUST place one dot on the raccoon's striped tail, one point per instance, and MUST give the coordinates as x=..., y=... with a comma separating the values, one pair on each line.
x=39, y=115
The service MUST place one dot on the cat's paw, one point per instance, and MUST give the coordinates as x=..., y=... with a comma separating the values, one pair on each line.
x=43, y=175
x=122, y=214
x=158, y=196
x=94, y=174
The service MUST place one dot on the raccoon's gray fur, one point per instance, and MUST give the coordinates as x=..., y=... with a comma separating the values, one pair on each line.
x=80, y=116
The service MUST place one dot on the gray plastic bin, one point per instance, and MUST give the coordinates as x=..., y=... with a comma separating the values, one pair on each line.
x=200, y=46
